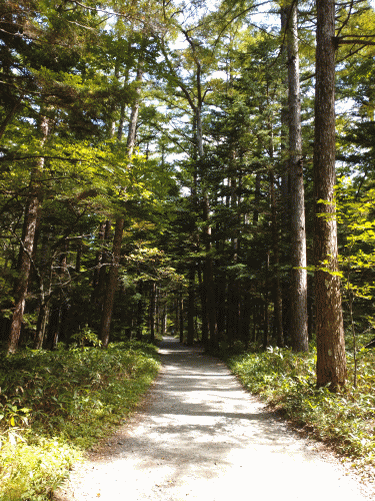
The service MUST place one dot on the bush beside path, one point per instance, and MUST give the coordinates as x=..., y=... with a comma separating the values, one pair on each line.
x=54, y=406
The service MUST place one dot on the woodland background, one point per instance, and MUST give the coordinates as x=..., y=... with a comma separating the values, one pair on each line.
x=146, y=172
x=199, y=169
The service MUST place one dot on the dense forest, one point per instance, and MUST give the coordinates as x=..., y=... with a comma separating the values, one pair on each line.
x=202, y=169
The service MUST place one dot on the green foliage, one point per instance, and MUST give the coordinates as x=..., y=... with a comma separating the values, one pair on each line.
x=355, y=217
x=287, y=381
x=355, y=210
x=31, y=471
x=86, y=336
x=60, y=404
x=12, y=415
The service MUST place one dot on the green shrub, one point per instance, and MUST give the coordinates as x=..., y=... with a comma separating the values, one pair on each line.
x=54, y=405
x=287, y=381
x=33, y=471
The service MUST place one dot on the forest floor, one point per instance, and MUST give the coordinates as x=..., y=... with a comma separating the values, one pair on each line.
x=200, y=436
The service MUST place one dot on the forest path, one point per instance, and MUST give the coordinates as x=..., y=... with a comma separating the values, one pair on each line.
x=201, y=436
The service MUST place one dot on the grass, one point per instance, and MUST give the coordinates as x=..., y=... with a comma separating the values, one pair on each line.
x=287, y=381
x=56, y=405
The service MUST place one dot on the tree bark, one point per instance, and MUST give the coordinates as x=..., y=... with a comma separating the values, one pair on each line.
x=298, y=289
x=140, y=311
x=276, y=288
x=209, y=277
x=285, y=224
x=112, y=283
x=133, y=122
x=44, y=313
x=42, y=323
x=331, y=358
x=191, y=306
x=101, y=266
x=152, y=311
x=27, y=245
x=202, y=280
x=266, y=320
x=256, y=199
x=181, y=326
x=122, y=108
x=277, y=296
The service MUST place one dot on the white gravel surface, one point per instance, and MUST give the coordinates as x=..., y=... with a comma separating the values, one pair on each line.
x=201, y=436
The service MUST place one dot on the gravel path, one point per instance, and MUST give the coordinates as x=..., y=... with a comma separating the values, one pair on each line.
x=201, y=436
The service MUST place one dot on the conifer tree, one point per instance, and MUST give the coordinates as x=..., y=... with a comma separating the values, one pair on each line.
x=331, y=358
x=298, y=300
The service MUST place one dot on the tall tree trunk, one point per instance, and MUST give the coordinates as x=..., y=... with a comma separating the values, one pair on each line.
x=42, y=323
x=331, y=358
x=221, y=306
x=209, y=277
x=122, y=108
x=135, y=111
x=298, y=290
x=181, y=326
x=79, y=256
x=285, y=179
x=208, y=281
x=112, y=283
x=266, y=320
x=191, y=305
x=176, y=326
x=157, y=311
x=27, y=245
x=234, y=286
x=203, y=295
x=54, y=323
x=164, y=318
x=152, y=311
x=285, y=224
x=120, y=222
x=140, y=311
x=256, y=199
x=276, y=288
x=245, y=316
x=99, y=256
x=232, y=320
x=192, y=266
x=44, y=313
x=101, y=267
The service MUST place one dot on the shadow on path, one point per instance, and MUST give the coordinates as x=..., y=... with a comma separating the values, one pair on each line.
x=203, y=437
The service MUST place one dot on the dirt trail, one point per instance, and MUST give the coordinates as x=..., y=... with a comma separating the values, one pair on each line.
x=202, y=437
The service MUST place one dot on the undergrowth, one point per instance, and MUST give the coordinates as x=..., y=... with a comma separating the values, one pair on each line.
x=56, y=405
x=287, y=380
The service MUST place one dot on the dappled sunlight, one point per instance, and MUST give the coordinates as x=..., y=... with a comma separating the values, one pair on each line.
x=203, y=437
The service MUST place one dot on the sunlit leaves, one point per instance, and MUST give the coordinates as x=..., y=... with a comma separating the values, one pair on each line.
x=357, y=257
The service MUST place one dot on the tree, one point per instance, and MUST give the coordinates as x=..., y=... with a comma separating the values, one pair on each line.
x=111, y=156
x=298, y=288
x=198, y=61
x=331, y=358
x=27, y=243
x=120, y=219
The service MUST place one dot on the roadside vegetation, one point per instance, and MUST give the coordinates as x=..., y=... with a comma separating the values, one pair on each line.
x=287, y=381
x=56, y=405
